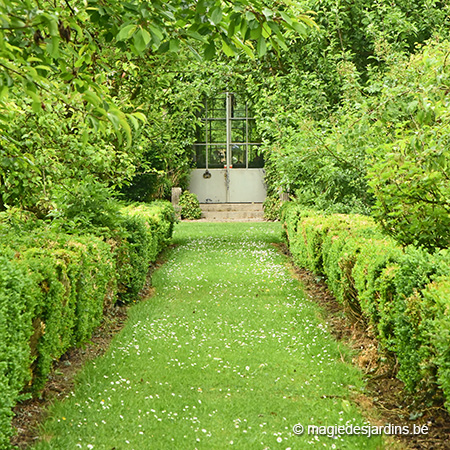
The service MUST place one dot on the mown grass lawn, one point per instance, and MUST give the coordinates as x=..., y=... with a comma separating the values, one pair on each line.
x=227, y=354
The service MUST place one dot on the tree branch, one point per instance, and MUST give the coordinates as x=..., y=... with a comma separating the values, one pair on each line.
x=70, y=7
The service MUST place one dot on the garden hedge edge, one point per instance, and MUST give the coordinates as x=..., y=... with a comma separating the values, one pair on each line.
x=402, y=293
x=56, y=287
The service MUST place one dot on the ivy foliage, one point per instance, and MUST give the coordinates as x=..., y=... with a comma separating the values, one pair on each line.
x=190, y=206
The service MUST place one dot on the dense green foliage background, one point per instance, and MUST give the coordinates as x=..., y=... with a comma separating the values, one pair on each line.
x=95, y=96
x=365, y=130
x=355, y=117
x=102, y=100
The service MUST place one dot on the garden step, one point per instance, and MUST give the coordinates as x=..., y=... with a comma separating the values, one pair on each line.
x=222, y=212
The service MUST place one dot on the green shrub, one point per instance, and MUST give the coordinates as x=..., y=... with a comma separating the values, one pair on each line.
x=159, y=217
x=190, y=206
x=434, y=334
x=88, y=207
x=71, y=276
x=149, y=228
x=55, y=288
x=409, y=173
x=401, y=293
x=16, y=305
x=420, y=297
x=51, y=299
x=133, y=256
x=272, y=207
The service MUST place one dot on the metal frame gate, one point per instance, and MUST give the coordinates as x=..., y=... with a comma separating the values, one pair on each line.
x=229, y=166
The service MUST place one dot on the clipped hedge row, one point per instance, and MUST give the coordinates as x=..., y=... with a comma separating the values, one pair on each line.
x=403, y=294
x=55, y=288
x=149, y=229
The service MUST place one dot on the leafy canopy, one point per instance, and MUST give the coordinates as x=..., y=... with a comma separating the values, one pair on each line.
x=88, y=99
x=70, y=47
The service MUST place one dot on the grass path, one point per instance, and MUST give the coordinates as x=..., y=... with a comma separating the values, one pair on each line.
x=227, y=354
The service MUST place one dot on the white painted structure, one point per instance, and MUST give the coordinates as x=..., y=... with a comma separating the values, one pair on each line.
x=229, y=166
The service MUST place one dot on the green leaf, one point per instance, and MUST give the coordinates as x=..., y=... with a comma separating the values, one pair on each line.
x=286, y=17
x=210, y=51
x=141, y=38
x=126, y=32
x=167, y=14
x=174, y=45
x=140, y=116
x=156, y=33
x=256, y=33
x=85, y=136
x=134, y=122
x=37, y=104
x=274, y=43
x=164, y=47
x=36, y=107
x=412, y=106
x=74, y=25
x=267, y=13
x=42, y=67
x=4, y=90
x=232, y=26
x=281, y=42
x=261, y=47
x=91, y=98
x=79, y=62
x=201, y=7
x=126, y=127
x=17, y=23
x=276, y=29
x=266, y=31
x=250, y=16
x=244, y=47
x=227, y=49
x=216, y=15
x=52, y=25
x=244, y=29
x=195, y=53
x=95, y=123
x=119, y=136
x=300, y=28
x=196, y=35
x=31, y=92
x=114, y=119
x=146, y=36
x=308, y=21
x=53, y=47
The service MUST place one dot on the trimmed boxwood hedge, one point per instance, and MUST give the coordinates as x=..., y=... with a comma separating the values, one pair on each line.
x=55, y=288
x=403, y=293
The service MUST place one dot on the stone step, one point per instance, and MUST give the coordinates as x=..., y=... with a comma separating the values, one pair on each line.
x=232, y=212
x=222, y=216
x=231, y=206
